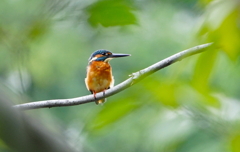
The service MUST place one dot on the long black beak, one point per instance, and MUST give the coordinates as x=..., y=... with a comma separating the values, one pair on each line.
x=116, y=55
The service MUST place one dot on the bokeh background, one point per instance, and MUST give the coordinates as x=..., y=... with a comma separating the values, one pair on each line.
x=190, y=106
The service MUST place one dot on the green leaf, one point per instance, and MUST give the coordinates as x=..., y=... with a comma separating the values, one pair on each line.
x=230, y=35
x=163, y=91
x=203, y=70
x=221, y=26
x=112, y=112
x=202, y=76
x=235, y=146
x=111, y=13
x=205, y=2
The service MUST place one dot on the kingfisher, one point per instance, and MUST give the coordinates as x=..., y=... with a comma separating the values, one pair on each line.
x=99, y=72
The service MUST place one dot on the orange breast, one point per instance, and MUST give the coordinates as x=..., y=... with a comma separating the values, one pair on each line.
x=99, y=76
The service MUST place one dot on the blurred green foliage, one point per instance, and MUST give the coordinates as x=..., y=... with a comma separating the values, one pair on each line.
x=110, y=13
x=191, y=106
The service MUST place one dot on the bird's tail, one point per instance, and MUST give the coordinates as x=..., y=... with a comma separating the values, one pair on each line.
x=101, y=101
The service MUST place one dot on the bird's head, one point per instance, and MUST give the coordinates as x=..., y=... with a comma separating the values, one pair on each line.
x=105, y=56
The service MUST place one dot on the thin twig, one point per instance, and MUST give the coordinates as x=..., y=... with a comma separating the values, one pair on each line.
x=135, y=77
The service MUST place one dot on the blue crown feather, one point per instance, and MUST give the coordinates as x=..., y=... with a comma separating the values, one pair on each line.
x=103, y=52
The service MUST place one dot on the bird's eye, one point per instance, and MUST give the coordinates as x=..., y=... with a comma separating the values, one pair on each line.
x=104, y=53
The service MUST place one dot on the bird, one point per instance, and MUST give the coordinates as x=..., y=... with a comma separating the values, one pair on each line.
x=99, y=72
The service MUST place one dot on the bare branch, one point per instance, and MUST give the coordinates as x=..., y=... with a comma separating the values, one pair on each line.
x=135, y=77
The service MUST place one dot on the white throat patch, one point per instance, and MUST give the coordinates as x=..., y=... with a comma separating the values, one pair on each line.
x=108, y=59
x=94, y=58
